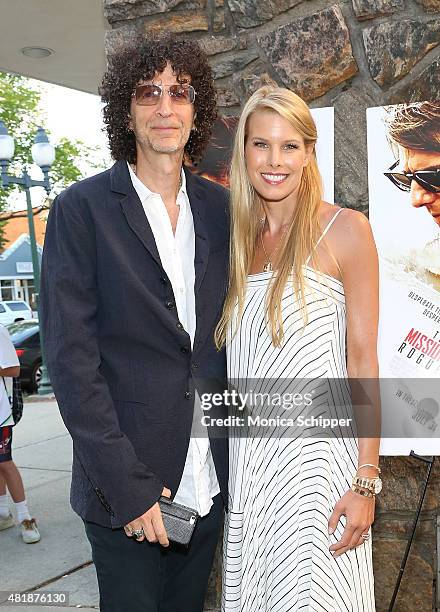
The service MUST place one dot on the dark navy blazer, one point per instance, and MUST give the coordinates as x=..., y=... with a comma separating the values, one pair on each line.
x=120, y=362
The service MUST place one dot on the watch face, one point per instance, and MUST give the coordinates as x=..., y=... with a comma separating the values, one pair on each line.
x=377, y=486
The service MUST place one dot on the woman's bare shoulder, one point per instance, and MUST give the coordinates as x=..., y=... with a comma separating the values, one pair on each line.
x=350, y=232
x=352, y=239
x=349, y=220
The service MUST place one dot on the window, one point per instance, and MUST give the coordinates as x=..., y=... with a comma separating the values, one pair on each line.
x=15, y=306
x=6, y=290
x=31, y=294
x=2, y=308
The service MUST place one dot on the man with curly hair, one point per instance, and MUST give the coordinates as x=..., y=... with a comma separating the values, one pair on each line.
x=134, y=275
x=415, y=129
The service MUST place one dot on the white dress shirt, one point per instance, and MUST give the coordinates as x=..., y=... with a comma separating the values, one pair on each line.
x=199, y=482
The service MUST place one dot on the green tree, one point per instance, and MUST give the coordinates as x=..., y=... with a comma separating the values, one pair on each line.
x=21, y=113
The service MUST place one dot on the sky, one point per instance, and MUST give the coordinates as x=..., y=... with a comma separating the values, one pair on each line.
x=75, y=115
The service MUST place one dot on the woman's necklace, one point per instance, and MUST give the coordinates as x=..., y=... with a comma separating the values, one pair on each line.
x=268, y=265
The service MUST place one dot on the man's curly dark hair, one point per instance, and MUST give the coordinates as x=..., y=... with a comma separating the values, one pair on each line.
x=139, y=61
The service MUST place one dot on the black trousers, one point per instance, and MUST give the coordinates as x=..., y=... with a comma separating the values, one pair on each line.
x=143, y=577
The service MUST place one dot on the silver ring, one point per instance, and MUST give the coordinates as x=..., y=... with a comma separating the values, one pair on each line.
x=365, y=536
x=137, y=533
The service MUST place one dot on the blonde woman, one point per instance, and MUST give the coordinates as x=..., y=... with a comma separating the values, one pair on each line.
x=302, y=304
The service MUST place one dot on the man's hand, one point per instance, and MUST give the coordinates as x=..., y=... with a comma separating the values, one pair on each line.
x=151, y=524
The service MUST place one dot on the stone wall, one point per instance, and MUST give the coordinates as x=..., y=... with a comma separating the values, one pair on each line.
x=349, y=54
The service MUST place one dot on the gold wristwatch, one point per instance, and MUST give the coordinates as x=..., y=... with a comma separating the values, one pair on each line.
x=374, y=485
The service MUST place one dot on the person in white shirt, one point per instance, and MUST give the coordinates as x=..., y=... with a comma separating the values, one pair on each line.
x=10, y=478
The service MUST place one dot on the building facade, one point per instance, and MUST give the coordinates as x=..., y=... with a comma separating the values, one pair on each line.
x=16, y=268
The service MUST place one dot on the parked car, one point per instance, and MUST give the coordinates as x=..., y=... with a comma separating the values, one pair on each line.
x=14, y=310
x=25, y=336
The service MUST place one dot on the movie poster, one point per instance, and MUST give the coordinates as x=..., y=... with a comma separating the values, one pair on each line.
x=215, y=162
x=406, y=226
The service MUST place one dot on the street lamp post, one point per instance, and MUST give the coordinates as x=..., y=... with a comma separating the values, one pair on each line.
x=43, y=154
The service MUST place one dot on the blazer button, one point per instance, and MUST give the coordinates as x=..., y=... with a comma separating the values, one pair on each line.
x=188, y=395
x=179, y=326
x=184, y=349
x=163, y=280
x=170, y=304
x=194, y=366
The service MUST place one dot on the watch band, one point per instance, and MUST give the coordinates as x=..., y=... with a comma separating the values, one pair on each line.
x=362, y=492
x=366, y=483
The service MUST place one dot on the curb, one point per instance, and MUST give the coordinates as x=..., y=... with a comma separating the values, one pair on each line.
x=34, y=398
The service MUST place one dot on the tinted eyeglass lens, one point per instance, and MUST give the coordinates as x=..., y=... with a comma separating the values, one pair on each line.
x=182, y=94
x=430, y=177
x=401, y=180
x=147, y=95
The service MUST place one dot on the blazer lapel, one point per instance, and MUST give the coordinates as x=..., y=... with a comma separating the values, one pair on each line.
x=198, y=208
x=137, y=220
x=133, y=209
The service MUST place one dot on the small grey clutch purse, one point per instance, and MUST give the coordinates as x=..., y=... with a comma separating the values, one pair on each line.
x=179, y=521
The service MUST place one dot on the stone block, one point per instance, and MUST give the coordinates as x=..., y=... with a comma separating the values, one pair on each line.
x=403, y=479
x=250, y=78
x=175, y=22
x=120, y=36
x=393, y=48
x=425, y=86
x=227, y=97
x=218, y=21
x=212, y=45
x=430, y=6
x=218, y=15
x=250, y=13
x=311, y=54
x=254, y=81
x=369, y=9
x=123, y=10
x=398, y=526
x=230, y=65
x=178, y=22
x=416, y=590
x=351, y=178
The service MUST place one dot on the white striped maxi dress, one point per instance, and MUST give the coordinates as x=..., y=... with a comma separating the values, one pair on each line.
x=283, y=490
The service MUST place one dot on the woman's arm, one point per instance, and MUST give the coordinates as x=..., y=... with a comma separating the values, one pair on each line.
x=356, y=254
x=360, y=271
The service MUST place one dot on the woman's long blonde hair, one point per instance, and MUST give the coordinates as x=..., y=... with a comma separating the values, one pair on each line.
x=246, y=212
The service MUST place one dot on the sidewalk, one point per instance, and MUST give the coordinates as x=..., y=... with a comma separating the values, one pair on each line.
x=61, y=561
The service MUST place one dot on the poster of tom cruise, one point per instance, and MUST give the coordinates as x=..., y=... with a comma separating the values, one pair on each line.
x=404, y=196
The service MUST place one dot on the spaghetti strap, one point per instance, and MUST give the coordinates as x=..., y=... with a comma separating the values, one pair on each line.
x=328, y=226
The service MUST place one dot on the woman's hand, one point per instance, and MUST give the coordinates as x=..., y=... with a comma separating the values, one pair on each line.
x=359, y=511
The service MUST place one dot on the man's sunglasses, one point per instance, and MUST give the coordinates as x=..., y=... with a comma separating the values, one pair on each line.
x=428, y=179
x=149, y=95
